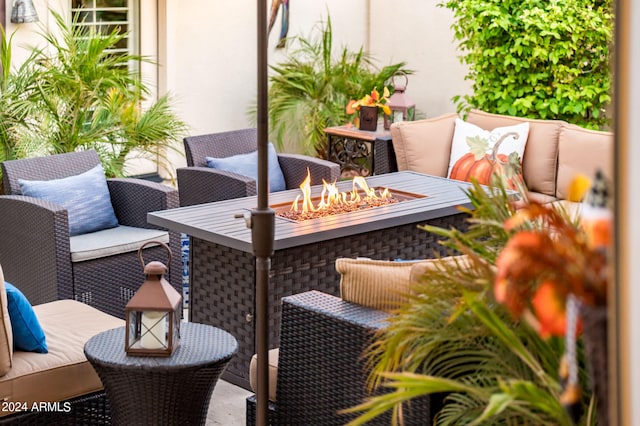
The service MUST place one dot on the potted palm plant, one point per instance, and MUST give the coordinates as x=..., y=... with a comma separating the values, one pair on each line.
x=309, y=90
x=76, y=93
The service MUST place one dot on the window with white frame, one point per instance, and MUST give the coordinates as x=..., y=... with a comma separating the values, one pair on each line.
x=105, y=16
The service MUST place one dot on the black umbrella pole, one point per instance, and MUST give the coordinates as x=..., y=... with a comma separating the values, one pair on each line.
x=262, y=226
x=262, y=230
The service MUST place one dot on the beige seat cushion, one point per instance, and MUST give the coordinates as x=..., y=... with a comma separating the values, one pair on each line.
x=381, y=284
x=541, y=152
x=273, y=373
x=582, y=151
x=64, y=372
x=424, y=146
x=376, y=284
x=6, y=333
x=113, y=241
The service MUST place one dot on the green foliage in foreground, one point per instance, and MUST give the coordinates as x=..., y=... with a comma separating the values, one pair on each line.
x=453, y=337
x=538, y=59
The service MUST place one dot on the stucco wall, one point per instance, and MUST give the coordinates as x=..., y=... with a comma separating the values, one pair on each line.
x=211, y=52
x=207, y=50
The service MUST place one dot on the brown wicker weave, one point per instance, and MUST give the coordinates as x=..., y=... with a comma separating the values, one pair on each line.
x=200, y=184
x=321, y=370
x=223, y=278
x=153, y=391
x=34, y=248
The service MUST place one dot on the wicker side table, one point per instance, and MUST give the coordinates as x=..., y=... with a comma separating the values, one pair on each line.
x=162, y=391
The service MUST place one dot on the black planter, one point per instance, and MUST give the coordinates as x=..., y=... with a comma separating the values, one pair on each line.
x=369, y=118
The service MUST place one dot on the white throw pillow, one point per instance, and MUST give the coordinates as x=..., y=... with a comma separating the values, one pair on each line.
x=472, y=148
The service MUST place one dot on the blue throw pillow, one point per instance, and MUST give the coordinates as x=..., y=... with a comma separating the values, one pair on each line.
x=247, y=165
x=85, y=196
x=27, y=332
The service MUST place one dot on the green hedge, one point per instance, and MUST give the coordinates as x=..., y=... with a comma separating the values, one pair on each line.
x=539, y=59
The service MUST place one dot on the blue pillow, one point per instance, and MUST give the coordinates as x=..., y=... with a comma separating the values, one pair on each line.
x=247, y=165
x=27, y=332
x=85, y=196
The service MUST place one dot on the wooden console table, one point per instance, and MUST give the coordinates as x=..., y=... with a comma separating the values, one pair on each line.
x=360, y=152
x=222, y=265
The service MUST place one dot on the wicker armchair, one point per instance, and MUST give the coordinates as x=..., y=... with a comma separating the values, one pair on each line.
x=35, y=248
x=321, y=370
x=200, y=184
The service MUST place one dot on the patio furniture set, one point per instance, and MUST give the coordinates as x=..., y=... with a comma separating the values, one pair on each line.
x=320, y=336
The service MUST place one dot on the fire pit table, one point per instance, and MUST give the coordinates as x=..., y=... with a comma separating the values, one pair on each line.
x=222, y=265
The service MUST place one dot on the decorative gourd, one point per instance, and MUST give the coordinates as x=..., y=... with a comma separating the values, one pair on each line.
x=467, y=166
x=480, y=164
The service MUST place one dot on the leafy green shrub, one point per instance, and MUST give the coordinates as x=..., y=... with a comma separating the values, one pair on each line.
x=310, y=90
x=535, y=58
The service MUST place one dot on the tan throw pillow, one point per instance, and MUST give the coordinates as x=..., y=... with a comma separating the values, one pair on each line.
x=377, y=284
x=582, y=151
x=472, y=151
x=6, y=334
x=423, y=146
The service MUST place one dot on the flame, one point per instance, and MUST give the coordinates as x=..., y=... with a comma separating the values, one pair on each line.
x=331, y=196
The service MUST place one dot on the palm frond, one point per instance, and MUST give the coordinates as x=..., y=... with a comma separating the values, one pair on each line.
x=452, y=331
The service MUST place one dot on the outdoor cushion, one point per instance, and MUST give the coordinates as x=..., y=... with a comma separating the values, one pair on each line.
x=424, y=146
x=541, y=152
x=382, y=284
x=109, y=242
x=27, y=332
x=85, y=196
x=64, y=372
x=247, y=165
x=377, y=284
x=582, y=151
x=472, y=146
x=273, y=373
x=6, y=334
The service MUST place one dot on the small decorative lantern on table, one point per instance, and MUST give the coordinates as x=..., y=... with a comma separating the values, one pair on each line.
x=402, y=108
x=153, y=313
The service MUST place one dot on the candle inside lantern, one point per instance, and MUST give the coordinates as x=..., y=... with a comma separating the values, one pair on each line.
x=154, y=330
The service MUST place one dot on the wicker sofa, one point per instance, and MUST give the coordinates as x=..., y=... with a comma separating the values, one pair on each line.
x=46, y=262
x=319, y=369
x=201, y=184
x=554, y=152
x=59, y=387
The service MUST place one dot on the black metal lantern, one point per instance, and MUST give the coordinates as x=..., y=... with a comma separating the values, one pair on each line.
x=153, y=313
x=402, y=107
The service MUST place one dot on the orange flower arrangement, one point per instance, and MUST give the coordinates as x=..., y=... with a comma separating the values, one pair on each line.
x=374, y=99
x=541, y=266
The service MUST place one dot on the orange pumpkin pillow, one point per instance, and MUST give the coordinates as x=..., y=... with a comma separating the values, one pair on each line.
x=478, y=153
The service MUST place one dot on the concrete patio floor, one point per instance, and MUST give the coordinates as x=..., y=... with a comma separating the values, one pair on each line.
x=227, y=407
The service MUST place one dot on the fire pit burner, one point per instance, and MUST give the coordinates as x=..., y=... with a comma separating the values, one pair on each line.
x=287, y=211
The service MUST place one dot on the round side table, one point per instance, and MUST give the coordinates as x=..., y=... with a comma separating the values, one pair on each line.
x=173, y=390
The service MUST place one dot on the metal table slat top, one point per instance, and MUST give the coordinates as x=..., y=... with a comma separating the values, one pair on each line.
x=215, y=222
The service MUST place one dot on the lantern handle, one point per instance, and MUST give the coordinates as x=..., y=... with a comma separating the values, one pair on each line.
x=399, y=74
x=160, y=243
